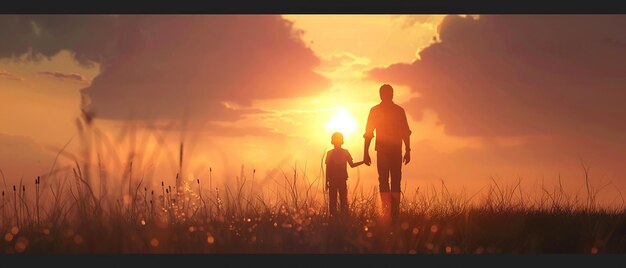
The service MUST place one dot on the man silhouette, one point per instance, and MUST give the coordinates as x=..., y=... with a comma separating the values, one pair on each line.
x=392, y=128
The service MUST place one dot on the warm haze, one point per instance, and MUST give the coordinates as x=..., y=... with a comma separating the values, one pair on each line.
x=502, y=97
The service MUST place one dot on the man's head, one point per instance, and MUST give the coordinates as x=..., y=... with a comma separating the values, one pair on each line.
x=386, y=93
x=337, y=139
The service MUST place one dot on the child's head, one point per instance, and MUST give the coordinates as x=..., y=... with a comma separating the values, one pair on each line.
x=337, y=139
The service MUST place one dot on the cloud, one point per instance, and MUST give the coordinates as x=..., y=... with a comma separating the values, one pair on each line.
x=10, y=76
x=166, y=67
x=344, y=65
x=34, y=37
x=65, y=76
x=508, y=76
x=407, y=21
x=345, y=59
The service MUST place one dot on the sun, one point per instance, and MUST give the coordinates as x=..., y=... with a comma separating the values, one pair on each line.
x=342, y=121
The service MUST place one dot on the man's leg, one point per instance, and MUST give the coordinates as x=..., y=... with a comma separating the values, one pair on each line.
x=395, y=168
x=382, y=163
x=343, y=198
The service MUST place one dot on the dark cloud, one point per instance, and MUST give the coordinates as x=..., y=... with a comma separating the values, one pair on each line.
x=89, y=37
x=173, y=66
x=506, y=76
x=65, y=76
x=10, y=76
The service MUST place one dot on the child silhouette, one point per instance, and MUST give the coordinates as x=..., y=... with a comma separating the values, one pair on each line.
x=337, y=174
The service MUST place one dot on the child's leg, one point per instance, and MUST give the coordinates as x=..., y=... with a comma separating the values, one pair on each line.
x=332, y=198
x=343, y=197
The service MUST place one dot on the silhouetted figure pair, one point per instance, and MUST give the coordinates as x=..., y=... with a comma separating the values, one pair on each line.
x=390, y=123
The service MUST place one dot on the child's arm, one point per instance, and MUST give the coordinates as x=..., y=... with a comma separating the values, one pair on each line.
x=355, y=164
x=352, y=164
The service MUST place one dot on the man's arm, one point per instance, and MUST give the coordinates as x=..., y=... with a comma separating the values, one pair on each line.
x=369, y=135
x=407, y=149
x=406, y=137
x=366, y=155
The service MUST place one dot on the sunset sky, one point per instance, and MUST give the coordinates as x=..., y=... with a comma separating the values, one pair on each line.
x=487, y=96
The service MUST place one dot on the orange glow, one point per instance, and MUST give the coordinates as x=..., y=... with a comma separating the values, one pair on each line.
x=8, y=237
x=21, y=244
x=342, y=121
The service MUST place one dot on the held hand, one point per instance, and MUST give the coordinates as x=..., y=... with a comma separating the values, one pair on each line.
x=366, y=159
x=407, y=157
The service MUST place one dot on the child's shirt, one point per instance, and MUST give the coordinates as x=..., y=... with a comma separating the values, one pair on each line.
x=337, y=163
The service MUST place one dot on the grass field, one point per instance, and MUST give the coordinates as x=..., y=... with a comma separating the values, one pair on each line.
x=192, y=220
